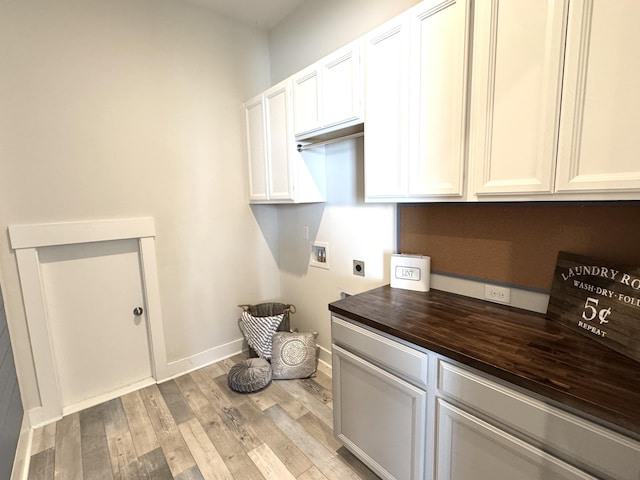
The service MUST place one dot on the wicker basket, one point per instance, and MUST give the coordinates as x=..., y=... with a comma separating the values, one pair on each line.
x=268, y=310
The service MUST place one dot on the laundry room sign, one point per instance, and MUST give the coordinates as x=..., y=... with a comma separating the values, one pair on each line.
x=599, y=300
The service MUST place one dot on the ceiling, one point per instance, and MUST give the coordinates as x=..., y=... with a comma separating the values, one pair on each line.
x=258, y=13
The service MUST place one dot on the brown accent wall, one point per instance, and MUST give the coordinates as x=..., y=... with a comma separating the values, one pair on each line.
x=518, y=243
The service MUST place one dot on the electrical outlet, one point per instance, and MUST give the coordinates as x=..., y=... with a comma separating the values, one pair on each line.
x=497, y=294
x=358, y=268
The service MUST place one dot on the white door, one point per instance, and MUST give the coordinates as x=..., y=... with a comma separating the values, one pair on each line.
x=100, y=346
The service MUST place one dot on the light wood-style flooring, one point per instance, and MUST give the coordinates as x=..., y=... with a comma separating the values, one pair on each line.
x=195, y=427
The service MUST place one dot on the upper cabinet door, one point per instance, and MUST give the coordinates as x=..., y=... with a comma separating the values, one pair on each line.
x=386, y=139
x=327, y=95
x=598, y=146
x=279, y=145
x=256, y=149
x=518, y=53
x=341, y=86
x=306, y=98
x=440, y=32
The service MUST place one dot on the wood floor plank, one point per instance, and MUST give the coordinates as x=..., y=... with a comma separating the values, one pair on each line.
x=215, y=370
x=210, y=389
x=96, y=463
x=115, y=419
x=274, y=394
x=132, y=471
x=42, y=466
x=44, y=438
x=312, y=474
x=326, y=461
x=269, y=464
x=193, y=395
x=323, y=379
x=68, y=453
x=240, y=427
x=325, y=368
x=227, y=363
x=174, y=400
x=207, y=458
x=122, y=453
x=220, y=395
x=320, y=431
x=142, y=432
x=314, y=388
x=192, y=474
x=156, y=465
x=175, y=450
x=356, y=465
x=281, y=445
x=227, y=445
x=310, y=400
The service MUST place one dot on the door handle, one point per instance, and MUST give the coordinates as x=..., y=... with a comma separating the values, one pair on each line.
x=138, y=311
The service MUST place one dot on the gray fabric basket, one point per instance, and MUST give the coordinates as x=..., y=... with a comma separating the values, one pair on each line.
x=269, y=309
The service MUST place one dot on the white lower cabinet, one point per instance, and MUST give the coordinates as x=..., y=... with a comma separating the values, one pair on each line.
x=413, y=414
x=539, y=427
x=470, y=448
x=380, y=401
x=379, y=417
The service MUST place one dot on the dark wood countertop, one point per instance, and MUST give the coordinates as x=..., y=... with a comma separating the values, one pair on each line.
x=521, y=347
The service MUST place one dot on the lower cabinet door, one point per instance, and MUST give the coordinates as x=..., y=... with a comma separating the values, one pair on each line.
x=469, y=448
x=379, y=417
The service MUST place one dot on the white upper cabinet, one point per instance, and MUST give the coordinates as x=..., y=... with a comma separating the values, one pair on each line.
x=554, y=100
x=598, y=145
x=328, y=94
x=440, y=36
x=518, y=52
x=278, y=173
x=541, y=104
x=256, y=148
x=416, y=70
x=306, y=94
x=386, y=141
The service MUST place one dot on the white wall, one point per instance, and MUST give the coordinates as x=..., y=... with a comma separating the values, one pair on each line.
x=352, y=229
x=114, y=109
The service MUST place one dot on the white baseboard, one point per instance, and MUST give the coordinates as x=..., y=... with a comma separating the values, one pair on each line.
x=41, y=416
x=202, y=359
x=325, y=356
x=23, y=451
